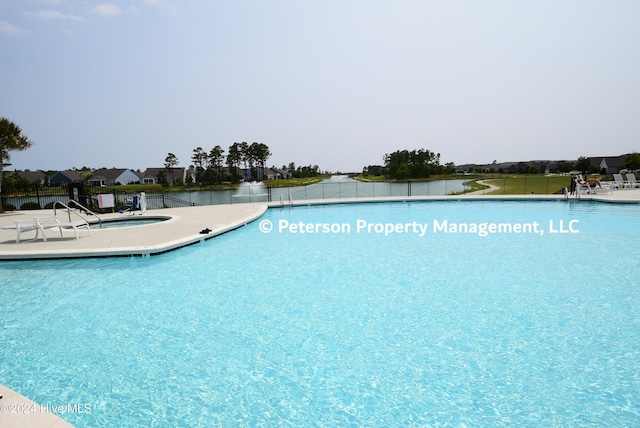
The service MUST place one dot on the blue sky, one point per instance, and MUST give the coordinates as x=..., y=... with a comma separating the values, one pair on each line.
x=331, y=83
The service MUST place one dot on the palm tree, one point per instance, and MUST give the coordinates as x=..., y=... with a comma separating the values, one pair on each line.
x=11, y=138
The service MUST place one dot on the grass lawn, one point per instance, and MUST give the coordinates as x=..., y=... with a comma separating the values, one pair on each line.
x=527, y=184
x=291, y=182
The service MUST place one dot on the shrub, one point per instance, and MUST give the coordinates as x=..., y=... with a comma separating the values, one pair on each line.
x=30, y=206
x=9, y=207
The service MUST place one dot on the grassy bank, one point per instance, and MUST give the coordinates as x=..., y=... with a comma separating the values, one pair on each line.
x=529, y=184
x=508, y=184
x=157, y=188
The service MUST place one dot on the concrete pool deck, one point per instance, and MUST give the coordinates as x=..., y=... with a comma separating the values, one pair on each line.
x=181, y=230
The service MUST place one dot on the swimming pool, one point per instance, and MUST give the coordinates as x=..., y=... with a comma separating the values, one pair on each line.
x=355, y=324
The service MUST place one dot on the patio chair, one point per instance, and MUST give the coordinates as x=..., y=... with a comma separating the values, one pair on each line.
x=582, y=187
x=631, y=179
x=132, y=206
x=587, y=186
x=620, y=182
x=24, y=226
x=52, y=222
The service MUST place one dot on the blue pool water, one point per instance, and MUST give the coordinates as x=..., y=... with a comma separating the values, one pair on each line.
x=127, y=221
x=344, y=328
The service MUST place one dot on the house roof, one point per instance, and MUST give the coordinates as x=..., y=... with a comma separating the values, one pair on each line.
x=108, y=174
x=32, y=175
x=72, y=175
x=278, y=171
x=615, y=161
x=153, y=172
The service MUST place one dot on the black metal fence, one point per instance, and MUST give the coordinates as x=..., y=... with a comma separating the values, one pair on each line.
x=40, y=197
x=31, y=197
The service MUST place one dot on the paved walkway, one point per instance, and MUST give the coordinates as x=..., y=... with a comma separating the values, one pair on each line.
x=183, y=228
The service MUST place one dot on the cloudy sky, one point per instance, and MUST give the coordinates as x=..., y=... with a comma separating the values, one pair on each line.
x=334, y=83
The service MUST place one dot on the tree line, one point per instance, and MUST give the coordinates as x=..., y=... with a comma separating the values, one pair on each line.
x=407, y=164
x=208, y=166
x=242, y=161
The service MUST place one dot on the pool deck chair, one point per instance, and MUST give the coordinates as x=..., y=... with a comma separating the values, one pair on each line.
x=620, y=182
x=581, y=188
x=24, y=226
x=133, y=205
x=53, y=222
x=631, y=179
x=592, y=186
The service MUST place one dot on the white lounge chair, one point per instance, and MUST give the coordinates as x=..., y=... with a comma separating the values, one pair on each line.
x=588, y=186
x=620, y=182
x=24, y=226
x=631, y=179
x=582, y=187
x=51, y=222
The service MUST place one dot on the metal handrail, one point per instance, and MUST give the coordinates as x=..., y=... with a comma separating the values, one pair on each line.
x=79, y=205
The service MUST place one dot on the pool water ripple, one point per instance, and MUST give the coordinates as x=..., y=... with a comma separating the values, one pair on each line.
x=255, y=329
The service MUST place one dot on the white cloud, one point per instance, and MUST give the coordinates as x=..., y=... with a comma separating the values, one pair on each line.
x=106, y=10
x=11, y=30
x=52, y=14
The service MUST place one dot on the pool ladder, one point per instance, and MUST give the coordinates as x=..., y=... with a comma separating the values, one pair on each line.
x=282, y=203
x=79, y=206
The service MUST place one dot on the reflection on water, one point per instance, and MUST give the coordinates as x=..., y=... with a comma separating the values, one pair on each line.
x=336, y=187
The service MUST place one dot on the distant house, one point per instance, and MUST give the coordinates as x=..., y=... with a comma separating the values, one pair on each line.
x=276, y=174
x=36, y=177
x=466, y=168
x=610, y=164
x=175, y=175
x=190, y=174
x=65, y=177
x=210, y=175
x=113, y=176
